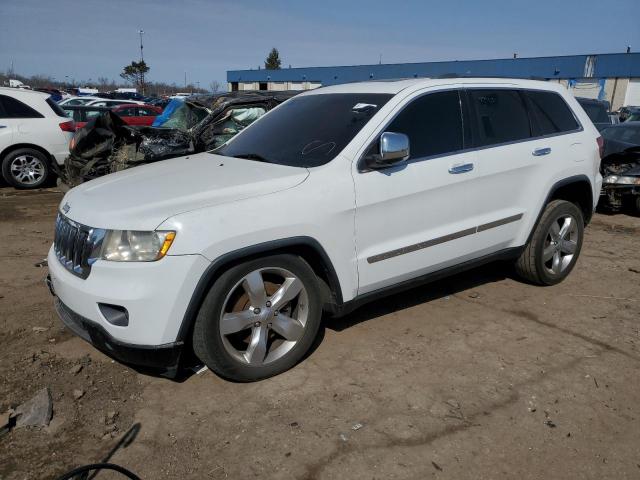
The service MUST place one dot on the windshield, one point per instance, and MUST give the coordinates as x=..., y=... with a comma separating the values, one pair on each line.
x=306, y=131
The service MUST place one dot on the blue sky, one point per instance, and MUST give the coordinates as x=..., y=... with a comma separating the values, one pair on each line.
x=90, y=39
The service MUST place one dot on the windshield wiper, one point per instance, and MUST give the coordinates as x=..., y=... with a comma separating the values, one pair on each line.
x=252, y=156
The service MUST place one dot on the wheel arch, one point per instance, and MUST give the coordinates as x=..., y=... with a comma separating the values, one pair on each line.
x=306, y=247
x=576, y=189
x=18, y=146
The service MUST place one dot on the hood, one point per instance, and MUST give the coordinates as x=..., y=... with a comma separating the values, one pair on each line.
x=142, y=198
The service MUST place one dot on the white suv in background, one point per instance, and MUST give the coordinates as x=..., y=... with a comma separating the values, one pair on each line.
x=338, y=196
x=34, y=133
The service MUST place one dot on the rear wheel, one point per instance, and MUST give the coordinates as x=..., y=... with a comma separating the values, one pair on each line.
x=25, y=168
x=555, y=245
x=259, y=319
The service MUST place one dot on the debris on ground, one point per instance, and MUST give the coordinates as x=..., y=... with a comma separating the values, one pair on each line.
x=343, y=437
x=436, y=466
x=474, y=295
x=40, y=329
x=41, y=264
x=36, y=412
x=110, y=417
x=357, y=426
x=549, y=424
x=78, y=394
x=7, y=421
x=75, y=369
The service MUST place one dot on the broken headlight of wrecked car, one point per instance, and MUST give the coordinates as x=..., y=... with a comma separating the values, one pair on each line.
x=622, y=180
x=136, y=246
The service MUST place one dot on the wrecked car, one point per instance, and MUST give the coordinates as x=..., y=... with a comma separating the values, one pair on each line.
x=192, y=125
x=620, y=167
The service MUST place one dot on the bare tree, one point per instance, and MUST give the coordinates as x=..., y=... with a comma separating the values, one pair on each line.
x=214, y=86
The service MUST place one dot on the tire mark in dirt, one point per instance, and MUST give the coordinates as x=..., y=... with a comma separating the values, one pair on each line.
x=315, y=470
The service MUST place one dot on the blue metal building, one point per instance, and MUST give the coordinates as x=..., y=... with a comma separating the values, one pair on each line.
x=613, y=77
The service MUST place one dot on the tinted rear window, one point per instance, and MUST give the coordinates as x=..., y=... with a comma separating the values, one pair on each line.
x=13, y=108
x=551, y=113
x=306, y=131
x=501, y=116
x=57, y=109
x=433, y=124
x=596, y=112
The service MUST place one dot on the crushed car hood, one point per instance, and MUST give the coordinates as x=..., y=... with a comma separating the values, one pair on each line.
x=142, y=198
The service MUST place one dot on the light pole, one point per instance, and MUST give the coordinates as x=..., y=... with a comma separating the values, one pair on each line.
x=141, y=32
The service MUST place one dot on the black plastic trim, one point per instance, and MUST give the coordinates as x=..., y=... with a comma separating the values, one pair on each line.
x=445, y=238
x=164, y=359
x=556, y=186
x=348, y=307
x=273, y=246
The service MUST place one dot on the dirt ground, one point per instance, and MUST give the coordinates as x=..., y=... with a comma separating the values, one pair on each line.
x=476, y=377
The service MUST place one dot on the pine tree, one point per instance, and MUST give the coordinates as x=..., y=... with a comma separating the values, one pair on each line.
x=273, y=60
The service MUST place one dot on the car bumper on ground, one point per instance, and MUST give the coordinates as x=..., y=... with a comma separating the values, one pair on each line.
x=130, y=311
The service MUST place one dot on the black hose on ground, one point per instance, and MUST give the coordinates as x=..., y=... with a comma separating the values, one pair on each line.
x=98, y=466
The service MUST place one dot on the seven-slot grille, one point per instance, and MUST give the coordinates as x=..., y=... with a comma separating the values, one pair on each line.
x=75, y=244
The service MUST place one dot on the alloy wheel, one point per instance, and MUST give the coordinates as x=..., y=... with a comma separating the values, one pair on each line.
x=560, y=244
x=264, y=316
x=27, y=169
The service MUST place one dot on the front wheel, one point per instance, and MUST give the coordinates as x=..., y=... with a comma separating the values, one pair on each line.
x=555, y=245
x=259, y=318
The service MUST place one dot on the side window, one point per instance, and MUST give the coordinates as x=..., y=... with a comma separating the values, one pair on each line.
x=433, y=124
x=16, y=109
x=99, y=104
x=501, y=116
x=551, y=113
x=127, y=112
x=144, y=112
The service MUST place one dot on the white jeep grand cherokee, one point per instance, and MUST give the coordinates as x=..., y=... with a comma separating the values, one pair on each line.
x=336, y=197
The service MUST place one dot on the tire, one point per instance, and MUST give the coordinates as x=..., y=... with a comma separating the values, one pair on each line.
x=554, y=247
x=26, y=168
x=245, y=333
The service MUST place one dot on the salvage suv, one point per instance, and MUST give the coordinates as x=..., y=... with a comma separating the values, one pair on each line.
x=336, y=197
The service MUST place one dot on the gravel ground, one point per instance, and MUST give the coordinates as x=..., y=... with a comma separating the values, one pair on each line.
x=475, y=377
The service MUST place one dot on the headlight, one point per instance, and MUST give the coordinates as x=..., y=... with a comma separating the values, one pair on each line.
x=622, y=180
x=135, y=246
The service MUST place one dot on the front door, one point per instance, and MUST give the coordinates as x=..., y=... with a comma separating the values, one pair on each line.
x=419, y=216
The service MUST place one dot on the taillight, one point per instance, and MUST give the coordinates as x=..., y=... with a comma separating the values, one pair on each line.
x=69, y=126
x=600, y=142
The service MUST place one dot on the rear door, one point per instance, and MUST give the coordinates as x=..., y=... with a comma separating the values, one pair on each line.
x=26, y=124
x=521, y=142
x=7, y=127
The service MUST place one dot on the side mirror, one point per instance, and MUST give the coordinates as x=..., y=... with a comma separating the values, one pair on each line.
x=394, y=149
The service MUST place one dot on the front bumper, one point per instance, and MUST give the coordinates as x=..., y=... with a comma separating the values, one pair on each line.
x=162, y=359
x=154, y=294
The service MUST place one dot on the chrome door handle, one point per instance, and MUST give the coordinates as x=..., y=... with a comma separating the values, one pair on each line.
x=3, y=126
x=538, y=152
x=461, y=168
